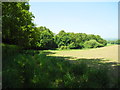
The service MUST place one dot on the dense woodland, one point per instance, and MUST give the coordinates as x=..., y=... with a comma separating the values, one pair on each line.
x=26, y=66
x=18, y=29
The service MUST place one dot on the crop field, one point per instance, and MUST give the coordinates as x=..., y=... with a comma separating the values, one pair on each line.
x=109, y=53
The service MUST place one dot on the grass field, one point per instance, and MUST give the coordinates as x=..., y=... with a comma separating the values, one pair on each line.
x=33, y=69
x=109, y=53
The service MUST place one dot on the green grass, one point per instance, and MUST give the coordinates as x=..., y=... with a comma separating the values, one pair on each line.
x=69, y=49
x=111, y=44
x=57, y=49
x=105, y=53
x=33, y=69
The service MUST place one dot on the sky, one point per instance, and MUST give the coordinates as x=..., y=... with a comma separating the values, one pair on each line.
x=99, y=18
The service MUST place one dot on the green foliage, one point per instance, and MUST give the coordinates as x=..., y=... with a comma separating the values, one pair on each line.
x=92, y=44
x=9, y=50
x=78, y=40
x=72, y=45
x=44, y=39
x=100, y=40
x=113, y=41
x=99, y=80
x=32, y=69
x=22, y=32
x=16, y=23
x=64, y=47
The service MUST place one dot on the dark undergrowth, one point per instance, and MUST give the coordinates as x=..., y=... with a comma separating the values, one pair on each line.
x=33, y=69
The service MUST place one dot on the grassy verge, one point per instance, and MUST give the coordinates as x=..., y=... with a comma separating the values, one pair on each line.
x=111, y=44
x=77, y=49
x=32, y=69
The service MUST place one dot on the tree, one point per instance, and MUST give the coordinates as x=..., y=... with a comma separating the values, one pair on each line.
x=44, y=38
x=91, y=44
x=17, y=23
x=97, y=38
x=61, y=33
x=62, y=39
x=78, y=40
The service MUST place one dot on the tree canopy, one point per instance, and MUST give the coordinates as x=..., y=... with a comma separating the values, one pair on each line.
x=78, y=40
x=43, y=39
x=17, y=23
x=19, y=29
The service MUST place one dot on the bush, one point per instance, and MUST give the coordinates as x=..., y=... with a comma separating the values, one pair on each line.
x=72, y=45
x=92, y=44
x=64, y=47
x=9, y=50
x=100, y=45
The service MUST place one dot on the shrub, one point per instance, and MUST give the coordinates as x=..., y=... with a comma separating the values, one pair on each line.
x=72, y=45
x=9, y=50
x=41, y=71
x=100, y=45
x=92, y=44
x=64, y=47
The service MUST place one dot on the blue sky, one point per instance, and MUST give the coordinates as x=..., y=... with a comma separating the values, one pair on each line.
x=99, y=18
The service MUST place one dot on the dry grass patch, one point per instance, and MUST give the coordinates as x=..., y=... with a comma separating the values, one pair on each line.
x=109, y=53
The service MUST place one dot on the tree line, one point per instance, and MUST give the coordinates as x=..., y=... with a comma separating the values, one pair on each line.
x=113, y=41
x=18, y=29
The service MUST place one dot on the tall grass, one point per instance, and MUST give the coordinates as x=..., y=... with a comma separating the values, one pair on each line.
x=32, y=69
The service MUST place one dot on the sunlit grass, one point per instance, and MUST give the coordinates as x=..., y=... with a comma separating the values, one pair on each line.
x=108, y=53
x=33, y=69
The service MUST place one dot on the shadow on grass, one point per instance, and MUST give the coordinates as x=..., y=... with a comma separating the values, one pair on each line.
x=112, y=68
x=99, y=71
x=108, y=68
x=98, y=61
x=89, y=61
x=47, y=52
x=42, y=71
